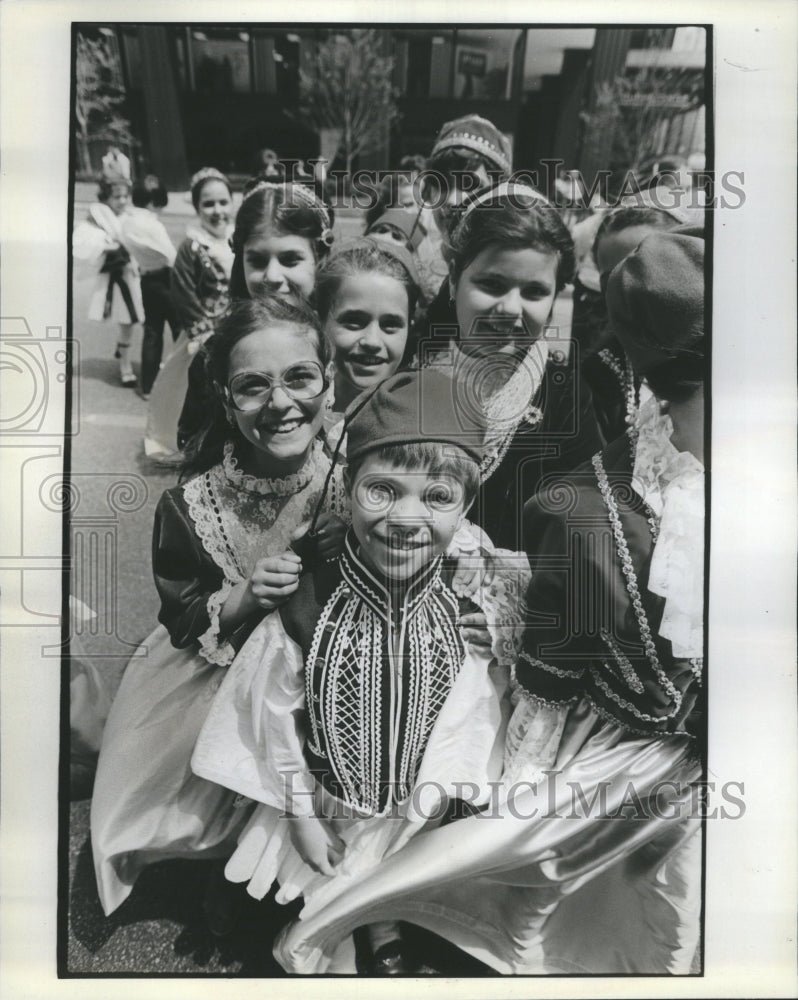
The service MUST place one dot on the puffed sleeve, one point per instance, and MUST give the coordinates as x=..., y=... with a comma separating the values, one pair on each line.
x=253, y=738
x=184, y=579
x=192, y=588
x=89, y=245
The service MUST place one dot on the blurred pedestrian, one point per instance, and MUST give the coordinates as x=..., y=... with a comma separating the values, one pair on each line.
x=200, y=293
x=99, y=249
x=148, y=241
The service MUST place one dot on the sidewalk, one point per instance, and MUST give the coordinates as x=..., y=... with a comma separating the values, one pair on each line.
x=179, y=204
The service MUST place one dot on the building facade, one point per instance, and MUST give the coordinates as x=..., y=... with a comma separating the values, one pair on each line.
x=200, y=94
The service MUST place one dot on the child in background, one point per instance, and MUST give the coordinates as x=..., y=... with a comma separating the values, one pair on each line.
x=615, y=389
x=365, y=296
x=98, y=248
x=222, y=559
x=469, y=154
x=353, y=713
x=399, y=225
x=199, y=287
x=282, y=232
x=148, y=241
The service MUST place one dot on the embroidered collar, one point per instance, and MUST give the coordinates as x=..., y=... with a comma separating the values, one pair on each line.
x=270, y=487
x=373, y=590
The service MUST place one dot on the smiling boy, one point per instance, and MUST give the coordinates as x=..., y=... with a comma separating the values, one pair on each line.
x=364, y=696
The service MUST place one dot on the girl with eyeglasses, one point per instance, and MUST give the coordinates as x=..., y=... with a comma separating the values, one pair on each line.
x=222, y=559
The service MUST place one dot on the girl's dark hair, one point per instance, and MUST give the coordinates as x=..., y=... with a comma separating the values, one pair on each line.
x=365, y=256
x=432, y=457
x=199, y=185
x=245, y=316
x=105, y=188
x=149, y=191
x=630, y=216
x=515, y=221
x=276, y=206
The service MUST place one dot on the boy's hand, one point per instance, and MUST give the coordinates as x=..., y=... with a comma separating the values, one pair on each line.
x=330, y=532
x=316, y=843
x=474, y=629
x=274, y=579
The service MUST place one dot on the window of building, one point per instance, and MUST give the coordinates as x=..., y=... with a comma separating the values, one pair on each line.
x=484, y=63
x=219, y=60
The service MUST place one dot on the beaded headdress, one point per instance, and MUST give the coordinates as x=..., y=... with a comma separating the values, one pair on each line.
x=208, y=174
x=303, y=195
x=477, y=134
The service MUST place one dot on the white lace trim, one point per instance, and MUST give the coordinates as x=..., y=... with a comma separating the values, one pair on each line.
x=513, y=405
x=502, y=602
x=214, y=650
x=271, y=487
x=236, y=527
x=672, y=483
x=533, y=740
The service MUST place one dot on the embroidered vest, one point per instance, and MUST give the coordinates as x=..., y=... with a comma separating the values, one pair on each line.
x=377, y=675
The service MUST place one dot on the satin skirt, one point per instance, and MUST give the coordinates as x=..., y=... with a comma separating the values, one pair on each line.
x=589, y=865
x=147, y=804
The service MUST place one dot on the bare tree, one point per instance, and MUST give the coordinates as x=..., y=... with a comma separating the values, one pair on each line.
x=350, y=90
x=99, y=98
x=637, y=106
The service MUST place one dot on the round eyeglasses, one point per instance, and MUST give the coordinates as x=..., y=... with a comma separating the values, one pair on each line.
x=249, y=391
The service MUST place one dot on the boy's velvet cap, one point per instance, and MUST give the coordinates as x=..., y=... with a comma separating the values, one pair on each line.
x=409, y=407
x=655, y=299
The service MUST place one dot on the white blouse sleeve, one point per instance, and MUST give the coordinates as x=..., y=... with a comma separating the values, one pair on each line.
x=89, y=244
x=253, y=737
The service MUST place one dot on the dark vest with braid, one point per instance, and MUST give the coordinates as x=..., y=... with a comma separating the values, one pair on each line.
x=377, y=671
x=592, y=624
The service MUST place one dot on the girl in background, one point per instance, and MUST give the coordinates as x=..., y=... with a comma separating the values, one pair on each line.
x=365, y=296
x=282, y=232
x=614, y=387
x=98, y=248
x=510, y=255
x=200, y=293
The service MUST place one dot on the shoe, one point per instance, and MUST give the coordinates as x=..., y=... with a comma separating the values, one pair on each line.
x=144, y=395
x=128, y=381
x=388, y=960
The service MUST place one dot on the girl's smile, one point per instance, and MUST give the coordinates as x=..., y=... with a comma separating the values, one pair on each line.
x=214, y=208
x=279, y=264
x=504, y=299
x=283, y=429
x=368, y=327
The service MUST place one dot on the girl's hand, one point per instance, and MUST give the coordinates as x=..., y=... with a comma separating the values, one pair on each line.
x=316, y=843
x=472, y=573
x=330, y=532
x=274, y=579
x=474, y=629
